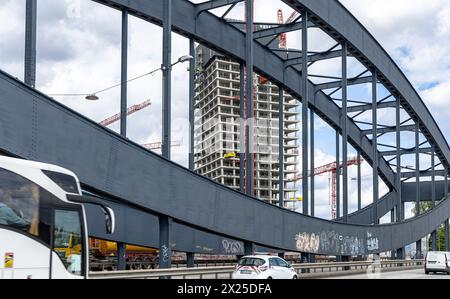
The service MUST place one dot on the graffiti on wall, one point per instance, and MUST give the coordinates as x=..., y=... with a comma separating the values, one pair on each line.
x=372, y=242
x=232, y=247
x=329, y=242
x=307, y=242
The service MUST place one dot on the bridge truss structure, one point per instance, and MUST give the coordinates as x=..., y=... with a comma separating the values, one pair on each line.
x=154, y=198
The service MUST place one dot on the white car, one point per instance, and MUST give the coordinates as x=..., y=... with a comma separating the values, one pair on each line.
x=437, y=262
x=263, y=267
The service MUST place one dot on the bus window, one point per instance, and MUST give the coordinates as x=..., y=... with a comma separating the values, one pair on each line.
x=19, y=202
x=68, y=241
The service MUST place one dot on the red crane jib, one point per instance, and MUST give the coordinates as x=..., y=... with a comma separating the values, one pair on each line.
x=131, y=110
x=329, y=168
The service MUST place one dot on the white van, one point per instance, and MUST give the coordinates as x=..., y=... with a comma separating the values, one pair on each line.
x=437, y=261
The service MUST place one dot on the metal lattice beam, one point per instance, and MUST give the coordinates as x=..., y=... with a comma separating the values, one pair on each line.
x=208, y=5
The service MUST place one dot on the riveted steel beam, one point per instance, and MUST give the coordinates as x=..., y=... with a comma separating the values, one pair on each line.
x=314, y=58
x=277, y=30
x=409, y=128
x=366, y=107
x=338, y=84
x=30, y=43
x=425, y=173
x=409, y=151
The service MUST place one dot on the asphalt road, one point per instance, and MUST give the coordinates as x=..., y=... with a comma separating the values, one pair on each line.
x=407, y=274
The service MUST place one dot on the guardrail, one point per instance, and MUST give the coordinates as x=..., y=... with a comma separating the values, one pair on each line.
x=225, y=272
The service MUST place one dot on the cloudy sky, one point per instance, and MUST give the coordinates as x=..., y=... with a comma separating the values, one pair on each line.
x=79, y=52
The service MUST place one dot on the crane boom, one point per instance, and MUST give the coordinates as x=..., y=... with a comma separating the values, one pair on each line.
x=331, y=168
x=292, y=17
x=131, y=110
x=328, y=168
x=158, y=145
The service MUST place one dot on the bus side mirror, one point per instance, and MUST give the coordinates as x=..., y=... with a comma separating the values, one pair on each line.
x=110, y=216
x=110, y=219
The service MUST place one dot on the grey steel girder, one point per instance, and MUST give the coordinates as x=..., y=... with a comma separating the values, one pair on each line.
x=366, y=107
x=366, y=214
x=313, y=58
x=336, y=84
x=214, y=4
x=113, y=165
x=409, y=151
x=409, y=191
x=408, y=128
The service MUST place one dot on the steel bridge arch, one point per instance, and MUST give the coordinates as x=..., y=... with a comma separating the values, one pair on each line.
x=268, y=64
x=220, y=36
x=333, y=18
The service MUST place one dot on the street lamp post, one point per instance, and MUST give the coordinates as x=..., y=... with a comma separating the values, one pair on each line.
x=94, y=96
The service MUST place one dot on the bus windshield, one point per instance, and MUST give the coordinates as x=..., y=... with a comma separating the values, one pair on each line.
x=19, y=202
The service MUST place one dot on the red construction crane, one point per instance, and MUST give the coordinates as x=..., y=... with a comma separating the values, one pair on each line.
x=332, y=169
x=292, y=17
x=283, y=36
x=131, y=110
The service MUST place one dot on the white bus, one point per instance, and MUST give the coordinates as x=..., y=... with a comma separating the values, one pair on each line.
x=43, y=231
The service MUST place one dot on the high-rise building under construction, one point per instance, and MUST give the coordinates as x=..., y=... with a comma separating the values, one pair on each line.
x=217, y=128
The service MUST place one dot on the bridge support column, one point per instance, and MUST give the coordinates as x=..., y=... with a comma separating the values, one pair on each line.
x=281, y=146
x=167, y=79
x=359, y=182
x=191, y=103
x=344, y=136
x=30, y=43
x=393, y=252
x=419, y=249
x=447, y=244
x=249, y=95
x=124, y=75
x=121, y=256
x=242, y=129
x=345, y=259
x=419, y=254
x=338, y=181
x=165, y=248
x=434, y=244
x=305, y=112
x=400, y=254
x=434, y=241
x=375, y=146
x=398, y=178
x=312, y=167
x=304, y=257
x=190, y=260
x=249, y=248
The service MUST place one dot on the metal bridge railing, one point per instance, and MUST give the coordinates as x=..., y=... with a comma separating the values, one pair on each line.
x=225, y=272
